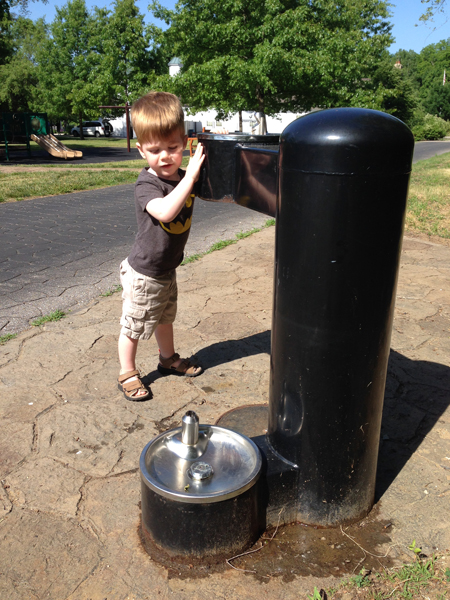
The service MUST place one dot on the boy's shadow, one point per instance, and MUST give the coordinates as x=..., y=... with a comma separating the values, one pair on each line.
x=224, y=352
x=417, y=394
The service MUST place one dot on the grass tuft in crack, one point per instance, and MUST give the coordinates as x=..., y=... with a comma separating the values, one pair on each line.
x=57, y=315
x=113, y=290
x=5, y=338
x=224, y=243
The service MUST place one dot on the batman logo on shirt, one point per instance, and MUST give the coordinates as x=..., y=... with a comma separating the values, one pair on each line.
x=178, y=227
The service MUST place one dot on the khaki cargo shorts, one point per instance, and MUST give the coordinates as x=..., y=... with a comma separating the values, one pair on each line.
x=147, y=302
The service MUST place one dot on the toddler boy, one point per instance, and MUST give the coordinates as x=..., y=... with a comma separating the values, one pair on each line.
x=164, y=203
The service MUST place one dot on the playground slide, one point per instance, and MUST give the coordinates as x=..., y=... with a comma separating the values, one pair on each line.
x=54, y=146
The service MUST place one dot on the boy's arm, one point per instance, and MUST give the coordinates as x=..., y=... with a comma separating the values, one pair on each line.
x=167, y=208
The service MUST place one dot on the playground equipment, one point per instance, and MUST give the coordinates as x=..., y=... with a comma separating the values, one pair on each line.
x=54, y=147
x=21, y=127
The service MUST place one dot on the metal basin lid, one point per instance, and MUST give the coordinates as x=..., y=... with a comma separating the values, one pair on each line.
x=229, y=464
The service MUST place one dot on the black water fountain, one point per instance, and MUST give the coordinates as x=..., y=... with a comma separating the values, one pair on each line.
x=337, y=184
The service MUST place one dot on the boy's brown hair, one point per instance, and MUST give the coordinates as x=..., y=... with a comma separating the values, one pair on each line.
x=157, y=115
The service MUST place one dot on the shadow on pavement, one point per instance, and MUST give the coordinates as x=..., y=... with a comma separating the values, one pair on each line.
x=417, y=394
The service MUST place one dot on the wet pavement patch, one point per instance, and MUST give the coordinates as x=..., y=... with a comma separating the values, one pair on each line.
x=299, y=550
x=295, y=550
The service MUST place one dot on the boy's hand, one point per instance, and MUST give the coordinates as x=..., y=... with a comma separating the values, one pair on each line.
x=193, y=168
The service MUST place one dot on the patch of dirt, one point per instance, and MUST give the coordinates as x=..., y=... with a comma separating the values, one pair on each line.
x=423, y=237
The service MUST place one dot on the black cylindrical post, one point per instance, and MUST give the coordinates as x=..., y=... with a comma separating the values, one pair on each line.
x=343, y=182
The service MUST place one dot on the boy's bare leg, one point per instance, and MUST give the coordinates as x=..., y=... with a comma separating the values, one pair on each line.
x=164, y=337
x=127, y=357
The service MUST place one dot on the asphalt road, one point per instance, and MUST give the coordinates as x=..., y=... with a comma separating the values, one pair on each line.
x=62, y=251
x=425, y=150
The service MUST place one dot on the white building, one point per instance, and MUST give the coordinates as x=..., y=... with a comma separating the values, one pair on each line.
x=206, y=120
x=195, y=123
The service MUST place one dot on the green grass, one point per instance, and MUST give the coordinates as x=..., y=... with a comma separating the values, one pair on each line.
x=429, y=197
x=113, y=290
x=121, y=164
x=57, y=315
x=18, y=186
x=423, y=578
x=224, y=243
x=5, y=338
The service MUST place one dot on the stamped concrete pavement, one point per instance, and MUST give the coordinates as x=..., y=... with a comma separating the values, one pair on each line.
x=70, y=443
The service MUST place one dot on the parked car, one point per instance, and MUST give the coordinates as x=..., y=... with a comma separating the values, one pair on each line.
x=96, y=128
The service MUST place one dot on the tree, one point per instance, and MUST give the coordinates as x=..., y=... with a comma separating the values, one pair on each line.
x=434, y=8
x=19, y=73
x=432, y=62
x=127, y=60
x=438, y=100
x=6, y=18
x=409, y=61
x=71, y=81
x=273, y=55
x=394, y=92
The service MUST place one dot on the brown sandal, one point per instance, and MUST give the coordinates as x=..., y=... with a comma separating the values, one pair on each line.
x=130, y=389
x=186, y=367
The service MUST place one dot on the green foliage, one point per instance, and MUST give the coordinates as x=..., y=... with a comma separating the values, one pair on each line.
x=273, y=56
x=424, y=73
x=224, y=243
x=57, y=315
x=431, y=63
x=434, y=8
x=112, y=291
x=438, y=100
x=19, y=73
x=421, y=579
x=361, y=580
x=126, y=61
x=415, y=548
x=5, y=338
x=389, y=90
x=429, y=127
x=69, y=62
x=316, y=595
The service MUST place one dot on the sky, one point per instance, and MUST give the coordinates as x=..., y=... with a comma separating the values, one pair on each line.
x=405, y=17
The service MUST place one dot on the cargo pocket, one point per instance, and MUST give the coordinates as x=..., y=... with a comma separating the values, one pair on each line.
x=134, y=319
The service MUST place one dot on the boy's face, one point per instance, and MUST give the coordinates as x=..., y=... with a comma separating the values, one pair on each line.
x=164, y=156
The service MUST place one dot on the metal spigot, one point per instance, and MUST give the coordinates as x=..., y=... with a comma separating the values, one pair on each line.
x=189, y=428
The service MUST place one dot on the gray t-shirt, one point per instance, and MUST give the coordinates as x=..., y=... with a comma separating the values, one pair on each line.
x=158, y=247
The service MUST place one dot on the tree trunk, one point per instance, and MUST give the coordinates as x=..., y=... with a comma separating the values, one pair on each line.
x=240, y=121
x=262, y=129
x=80, y=119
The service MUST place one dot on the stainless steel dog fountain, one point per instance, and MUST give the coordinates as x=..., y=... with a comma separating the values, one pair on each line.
x=199, y=492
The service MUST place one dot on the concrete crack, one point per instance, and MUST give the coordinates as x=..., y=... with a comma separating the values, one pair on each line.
x=94, y=342
x=62, y=378
x=82, y=494
x=121, y=455
x=162, y=424
x=91, y=572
